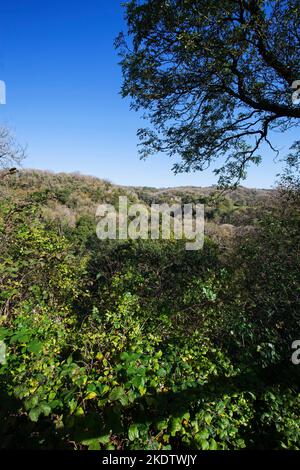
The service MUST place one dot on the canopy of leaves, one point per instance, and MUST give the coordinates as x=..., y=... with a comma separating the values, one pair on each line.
x=214, y=78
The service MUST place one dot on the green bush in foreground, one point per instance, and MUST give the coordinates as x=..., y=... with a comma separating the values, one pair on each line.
x=105, y=362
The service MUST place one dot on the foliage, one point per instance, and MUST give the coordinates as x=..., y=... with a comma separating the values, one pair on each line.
x=142, y=345
x=214, y=78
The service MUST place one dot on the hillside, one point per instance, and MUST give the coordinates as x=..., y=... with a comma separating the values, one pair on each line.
x=69, y=198
x=126, y=344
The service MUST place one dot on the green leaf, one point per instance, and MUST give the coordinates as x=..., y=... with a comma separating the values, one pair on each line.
x=117, y=394
x=105, y=439
x=213, y=445
x=35, y=414
x=202, y=435
x=110, y=447
x=175, y=426
x=92, y=444
x=138, y=381
x=133, y=432
x=46, y=409
x=3, y=333
x=161, y=425
x=161, y=372
x=204, y=444
x=208, y=419
x=35, y=347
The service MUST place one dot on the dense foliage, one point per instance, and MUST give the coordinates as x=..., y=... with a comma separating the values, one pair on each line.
x=129, y=345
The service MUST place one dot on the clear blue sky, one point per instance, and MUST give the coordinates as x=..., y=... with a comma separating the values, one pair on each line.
x=63, y=81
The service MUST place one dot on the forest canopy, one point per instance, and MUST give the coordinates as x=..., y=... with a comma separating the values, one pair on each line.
x=140, y=344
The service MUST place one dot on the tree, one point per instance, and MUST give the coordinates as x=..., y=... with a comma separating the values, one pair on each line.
x=215, y=78
x=11, y=153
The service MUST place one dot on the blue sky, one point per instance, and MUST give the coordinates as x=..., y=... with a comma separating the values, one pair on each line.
x=63, y=82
